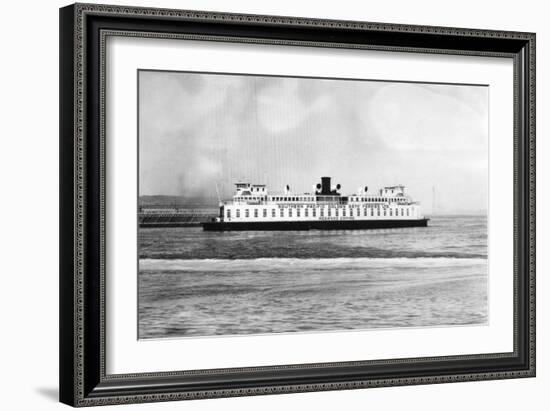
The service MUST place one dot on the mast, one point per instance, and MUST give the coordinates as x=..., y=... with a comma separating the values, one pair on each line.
x=433, y=200
x=218, y=192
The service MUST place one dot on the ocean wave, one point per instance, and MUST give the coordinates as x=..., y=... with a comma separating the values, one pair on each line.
x=291, y=252
x=148, y=264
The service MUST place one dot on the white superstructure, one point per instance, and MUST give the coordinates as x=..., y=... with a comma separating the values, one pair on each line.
x=253, y=203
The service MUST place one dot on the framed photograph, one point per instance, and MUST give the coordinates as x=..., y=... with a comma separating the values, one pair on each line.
x=262, y=204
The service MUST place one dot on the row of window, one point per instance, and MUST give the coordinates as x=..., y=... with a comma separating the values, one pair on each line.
x=378, y=199
x=311, y=199
x=248, y=198
x=338, y=206
x=330, y=212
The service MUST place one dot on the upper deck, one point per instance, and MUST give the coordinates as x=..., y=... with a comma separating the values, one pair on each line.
x=257, y=194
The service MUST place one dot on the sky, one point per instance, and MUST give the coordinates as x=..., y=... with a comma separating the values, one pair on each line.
x=201, y=133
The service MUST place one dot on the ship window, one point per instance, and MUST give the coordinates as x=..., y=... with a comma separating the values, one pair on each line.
x=336, y=211
x=378, y=211
x=265, y=212
x=344, y=212
x=384, y=212
x=298, y=213
x=314, y=212
x=407, y=212
x=256, y=212
x=305, y=212
x=290, y=212
x=322, y=212
x=247, y=213
x=229, y=213
x=329, y=212
x=282, y=213
x=358, y=212
x=272, y=212
x=238, y=213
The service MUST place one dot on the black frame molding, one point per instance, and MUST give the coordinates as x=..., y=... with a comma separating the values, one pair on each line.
x=83, y=30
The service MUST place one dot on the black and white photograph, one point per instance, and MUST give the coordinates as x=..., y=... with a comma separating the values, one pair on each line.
x=273, y=204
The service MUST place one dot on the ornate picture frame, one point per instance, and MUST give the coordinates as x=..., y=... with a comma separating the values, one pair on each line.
x=84, y=30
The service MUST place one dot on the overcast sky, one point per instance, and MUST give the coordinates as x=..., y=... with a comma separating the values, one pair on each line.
x=196, y=130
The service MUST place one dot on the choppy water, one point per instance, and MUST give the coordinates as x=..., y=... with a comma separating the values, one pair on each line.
x=196, y=283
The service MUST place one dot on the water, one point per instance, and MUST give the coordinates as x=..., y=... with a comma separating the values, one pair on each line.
x=196, y=283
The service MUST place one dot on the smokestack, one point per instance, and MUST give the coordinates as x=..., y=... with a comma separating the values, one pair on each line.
x=325, y=186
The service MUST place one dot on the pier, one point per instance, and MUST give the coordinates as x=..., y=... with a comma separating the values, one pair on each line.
x=155, y=216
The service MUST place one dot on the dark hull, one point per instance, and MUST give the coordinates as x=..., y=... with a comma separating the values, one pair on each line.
x=312, y=225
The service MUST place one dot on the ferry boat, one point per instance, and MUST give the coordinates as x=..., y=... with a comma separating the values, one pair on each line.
x=252, y=208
